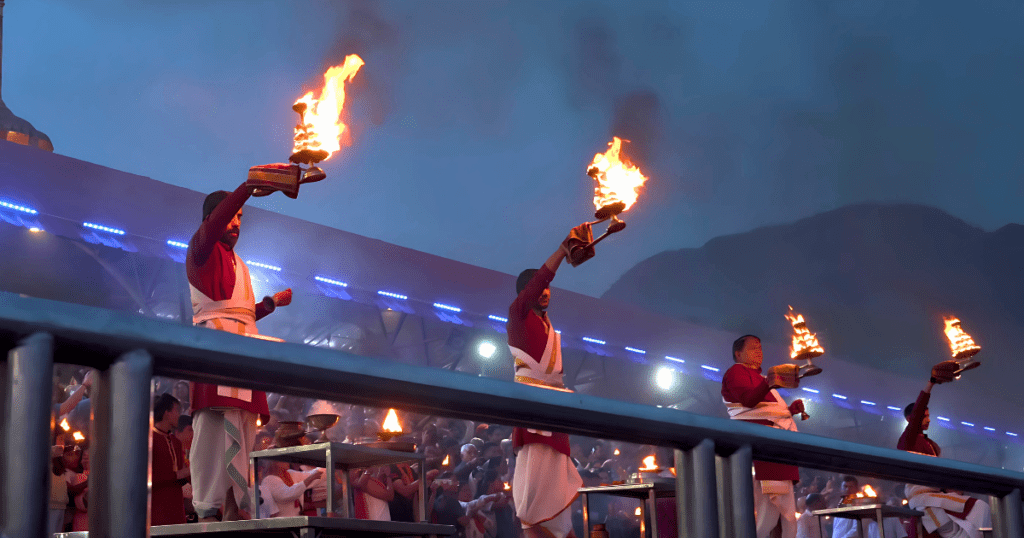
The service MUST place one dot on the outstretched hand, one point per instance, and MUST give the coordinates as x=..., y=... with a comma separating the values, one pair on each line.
x=796, y=407
x=944, y=372
x=283, y=298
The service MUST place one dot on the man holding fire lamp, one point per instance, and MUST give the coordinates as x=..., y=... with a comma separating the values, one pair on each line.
x=222, y=299
x=749, y=396
x=546, y=481
x=948, y=514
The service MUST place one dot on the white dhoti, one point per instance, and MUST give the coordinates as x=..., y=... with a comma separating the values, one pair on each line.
x=774, y=503
x=937, y=506
x=220, y=458
x=544, y=486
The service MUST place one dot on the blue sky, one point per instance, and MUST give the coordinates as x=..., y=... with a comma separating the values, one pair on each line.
x=473, y=121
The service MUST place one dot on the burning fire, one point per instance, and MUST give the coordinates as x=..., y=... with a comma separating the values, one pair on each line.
x=805, y=344
x=78, y=436
x=64, y=425
x=446, y=460
x=867, y=492
x=637, y=511
x=507, y=487
x=259, y=421
x=649, y=464
x=321, y=128
x=960, y=343
x=673, y=469
x=391, y=422
x=616, y=452
x=617, y=180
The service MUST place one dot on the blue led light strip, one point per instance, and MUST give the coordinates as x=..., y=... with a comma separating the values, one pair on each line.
x=326, y=280
x=103, y=228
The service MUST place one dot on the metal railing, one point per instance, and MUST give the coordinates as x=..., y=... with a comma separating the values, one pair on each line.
x=713, y=455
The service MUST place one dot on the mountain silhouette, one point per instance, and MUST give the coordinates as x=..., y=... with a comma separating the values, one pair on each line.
x=873, y=280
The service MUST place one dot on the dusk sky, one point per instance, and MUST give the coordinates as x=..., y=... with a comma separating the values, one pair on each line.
x=473, y=121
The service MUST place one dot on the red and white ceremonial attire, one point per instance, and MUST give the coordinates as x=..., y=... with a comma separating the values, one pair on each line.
x=748, y=397
x=545, y=482
x=946, y=514
x=224, y=418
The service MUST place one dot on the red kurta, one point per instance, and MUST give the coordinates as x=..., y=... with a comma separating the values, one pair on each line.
x=209, y=264
x=168, y=502
x=748, y=387
x=529, y=332
x=914, y=438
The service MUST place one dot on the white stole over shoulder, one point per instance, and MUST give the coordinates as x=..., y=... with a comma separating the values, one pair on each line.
x=777, y=412
x=546, y=372
x=240, y=307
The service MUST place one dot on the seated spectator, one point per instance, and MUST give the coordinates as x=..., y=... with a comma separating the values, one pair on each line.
x=282, y=489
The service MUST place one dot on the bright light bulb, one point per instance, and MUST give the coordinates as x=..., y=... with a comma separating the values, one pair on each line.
x=486, y=350
x=665, y=378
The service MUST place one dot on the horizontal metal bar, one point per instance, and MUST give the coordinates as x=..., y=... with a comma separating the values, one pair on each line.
x=214, y=356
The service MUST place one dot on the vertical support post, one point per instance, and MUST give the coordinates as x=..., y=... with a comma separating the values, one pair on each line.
x=995, y=505
x=705, y=495
x=121, y=504
x=742, y=488
x=27, y=431
x=1013, y=514
x=5, y=392
x=684, y=493
x=99, y=453
x=723, y=479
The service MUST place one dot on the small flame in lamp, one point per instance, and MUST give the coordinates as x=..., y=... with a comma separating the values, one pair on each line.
x=638, y=511
x=318, y=133
x=616, y=452
x=446, y=460
x=960, y=343
x=649, y=464
x=64, y=425
x=259, y=421
x=618, y=180
x=392, y=428
x=78, y=437
x=805, y=344
x=507, y=487
x=673, y=469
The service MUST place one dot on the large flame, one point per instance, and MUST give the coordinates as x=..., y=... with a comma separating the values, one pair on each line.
x=617, y=179
x=804, y=342
x=64, y=425
x=960, y=343
x=649, y=464
x=391, y=422
x=78, y=436
x=321, y=128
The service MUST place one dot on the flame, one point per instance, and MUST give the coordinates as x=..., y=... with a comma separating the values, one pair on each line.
x=78, y=436
x=804, y=342
x=649, y=464
x=259, y=421
x=321, y=127
x=445, y=462
x=960, y=343
x=617, y=180
x=868, y=492
x=391, y=422
x=637, y=511
x=507, y=487
x=616, y=452
x=64, y=425
x=673, y=469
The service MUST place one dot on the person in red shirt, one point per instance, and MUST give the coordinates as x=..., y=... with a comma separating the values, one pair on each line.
x=170, y=468
x=546, y=481
x=749, y=396
x=224, y=418
x=948, y=514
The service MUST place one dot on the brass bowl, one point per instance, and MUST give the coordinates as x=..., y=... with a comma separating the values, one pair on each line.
x=322, y=422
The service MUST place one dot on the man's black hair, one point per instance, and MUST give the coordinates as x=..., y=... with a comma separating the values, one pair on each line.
x=212, y=201
x=908, y=410
x=524, y=279
x=740, y=343
x=162, y=405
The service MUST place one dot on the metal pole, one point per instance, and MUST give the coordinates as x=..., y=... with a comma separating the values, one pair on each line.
x=1013, y=514
x=99, y=453
x=705, y=496
x=5, y=392
x=995, y=505
x=740, y=464
x=126, y=506
x=27, y=468
x=723, y=479
x=684, y=493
